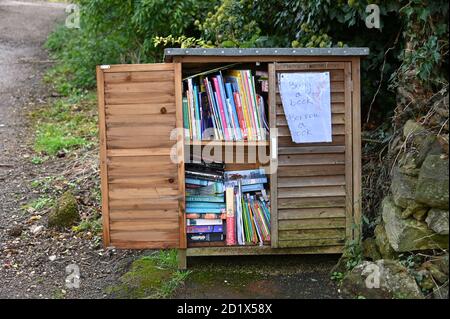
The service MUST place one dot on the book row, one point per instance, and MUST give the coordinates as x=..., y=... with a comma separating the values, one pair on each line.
x=225, y=107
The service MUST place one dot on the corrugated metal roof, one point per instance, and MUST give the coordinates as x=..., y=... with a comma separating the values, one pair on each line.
x=171, y=52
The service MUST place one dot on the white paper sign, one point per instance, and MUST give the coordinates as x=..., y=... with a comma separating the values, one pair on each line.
x=307, y=106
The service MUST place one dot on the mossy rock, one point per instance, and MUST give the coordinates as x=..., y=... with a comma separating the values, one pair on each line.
x=432, y=186
x=384, y=247
x=409, y=234
x=383, y=279
x=370, y=249
x=65, y=213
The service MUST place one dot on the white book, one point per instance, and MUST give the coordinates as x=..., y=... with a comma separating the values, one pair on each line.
x=203, y=222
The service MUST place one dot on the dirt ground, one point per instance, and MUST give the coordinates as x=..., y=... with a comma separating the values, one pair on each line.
x=34, y=265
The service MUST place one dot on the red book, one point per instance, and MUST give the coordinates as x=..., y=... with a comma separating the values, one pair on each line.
x=221, y=108
x=240, y=114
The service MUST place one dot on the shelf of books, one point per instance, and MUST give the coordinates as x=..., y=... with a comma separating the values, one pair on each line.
x=224, y=105
x=226, y=207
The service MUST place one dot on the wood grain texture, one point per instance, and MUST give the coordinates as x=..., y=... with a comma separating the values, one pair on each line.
x=356, y=131
x=273, y=158
x=103, y=156
x=144, y=184
x=315, y=179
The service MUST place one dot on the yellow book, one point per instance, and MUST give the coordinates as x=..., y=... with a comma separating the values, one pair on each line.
x=237, y=74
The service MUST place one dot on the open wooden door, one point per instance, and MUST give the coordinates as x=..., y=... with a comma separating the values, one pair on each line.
x=142, y=185
x=311, y=192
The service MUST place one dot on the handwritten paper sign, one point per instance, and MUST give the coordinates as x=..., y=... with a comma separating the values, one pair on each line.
x=306, y=101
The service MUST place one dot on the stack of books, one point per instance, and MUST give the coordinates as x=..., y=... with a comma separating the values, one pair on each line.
x=224, y=107
x=205, y=202
x=251, y=207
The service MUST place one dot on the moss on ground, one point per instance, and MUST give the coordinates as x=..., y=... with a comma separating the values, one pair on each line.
x=154, y=276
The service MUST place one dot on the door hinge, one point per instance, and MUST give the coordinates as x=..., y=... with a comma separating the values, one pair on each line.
x=105, y=67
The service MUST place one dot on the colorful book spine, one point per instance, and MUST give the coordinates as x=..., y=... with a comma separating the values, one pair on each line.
x=204, y=229
x=228, y=115
x=195, y=181
x=205, y=237
x=186, y=117
x=237, y=102
x=201, y=210
x=206, y=198
x=233, y=110
x=221, y=108
x=205, y=205
x=204, y=222
x=231, y=219
x=206, y=216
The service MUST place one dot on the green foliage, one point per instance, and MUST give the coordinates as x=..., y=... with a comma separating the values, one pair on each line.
x=92, y=224
x=337, y=276
x=117, y=31
x=353, y=254
x=64, y=125
x=39, y=204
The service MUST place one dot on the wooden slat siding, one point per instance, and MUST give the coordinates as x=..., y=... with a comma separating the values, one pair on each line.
x=260, y=250
x=348, y=150
x=307, y=213
x=180, y=156
x=356, y=123
x=304, y=234
x=311, y=170
x=310, y=192
x=139, y=109
x=273, y=162
x=137, y=77
x=144, y=192
x=287, y=141
x=311, y=150
x=319, y=223
x=311, y=243
x=103, y=151
x=313, y=183
x=311, y=159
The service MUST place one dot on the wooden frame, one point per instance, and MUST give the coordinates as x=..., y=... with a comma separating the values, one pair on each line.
x=350, y=133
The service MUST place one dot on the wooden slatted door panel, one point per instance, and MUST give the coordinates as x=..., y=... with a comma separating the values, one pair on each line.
x=312, y=188
x=142, y=187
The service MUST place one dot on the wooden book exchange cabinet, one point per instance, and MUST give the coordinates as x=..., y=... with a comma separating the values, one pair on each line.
x=315, y=194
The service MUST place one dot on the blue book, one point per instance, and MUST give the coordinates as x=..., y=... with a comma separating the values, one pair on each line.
x=252, y=188
x=205, y=205
x=200, y=182
x=233, y=109
x=206, y=198
x=224, y=103
x=197, y=113
x=199, y=210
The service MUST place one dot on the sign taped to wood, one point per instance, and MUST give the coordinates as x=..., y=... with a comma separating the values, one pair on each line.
x=306, y=102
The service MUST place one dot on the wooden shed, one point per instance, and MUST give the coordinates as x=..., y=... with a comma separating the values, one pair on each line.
x=315, y=194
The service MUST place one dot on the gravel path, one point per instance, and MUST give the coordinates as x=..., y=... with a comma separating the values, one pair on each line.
x=34, y=265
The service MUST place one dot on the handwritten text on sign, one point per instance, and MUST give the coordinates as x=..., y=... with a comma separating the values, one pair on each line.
x=306, y=102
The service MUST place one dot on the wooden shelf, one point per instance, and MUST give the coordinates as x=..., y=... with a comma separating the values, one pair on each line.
x=226, y=143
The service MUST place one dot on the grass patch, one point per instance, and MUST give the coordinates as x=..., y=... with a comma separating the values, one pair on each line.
x=38, y=204
x=66, y=124
x=154, y=276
